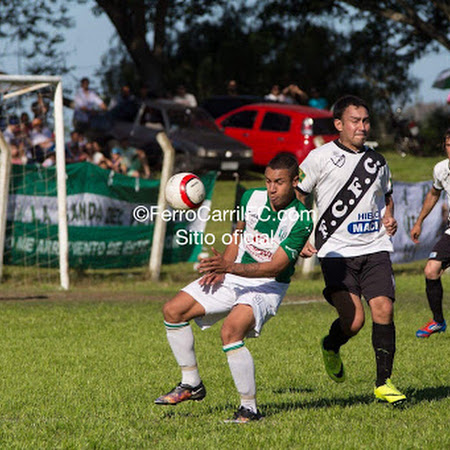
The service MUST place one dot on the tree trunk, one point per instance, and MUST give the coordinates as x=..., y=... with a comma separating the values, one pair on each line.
x=129, y=19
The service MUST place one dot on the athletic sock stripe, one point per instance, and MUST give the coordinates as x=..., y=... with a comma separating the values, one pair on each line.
x=173, y=326
x=233, y=346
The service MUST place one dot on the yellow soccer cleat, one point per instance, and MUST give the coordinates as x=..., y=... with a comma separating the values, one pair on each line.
x=333, y=364
x=389, y=393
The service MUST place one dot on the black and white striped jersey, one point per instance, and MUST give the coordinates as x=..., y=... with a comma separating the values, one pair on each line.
x=350, y=189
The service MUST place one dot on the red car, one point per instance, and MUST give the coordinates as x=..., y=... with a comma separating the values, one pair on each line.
x=272, y=128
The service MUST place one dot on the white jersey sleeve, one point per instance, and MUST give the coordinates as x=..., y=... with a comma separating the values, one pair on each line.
x=437, y=183
x=309, y=172
x=386, y=180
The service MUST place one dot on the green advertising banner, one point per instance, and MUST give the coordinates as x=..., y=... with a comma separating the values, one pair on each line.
x=110, y=218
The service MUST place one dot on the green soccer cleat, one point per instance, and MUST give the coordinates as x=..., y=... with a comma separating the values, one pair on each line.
x=333, y=364
x=389, y=393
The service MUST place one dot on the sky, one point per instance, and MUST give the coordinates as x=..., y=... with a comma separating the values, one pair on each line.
x=90, y=38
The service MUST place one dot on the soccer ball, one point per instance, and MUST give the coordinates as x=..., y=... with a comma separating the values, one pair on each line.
x=185, y=191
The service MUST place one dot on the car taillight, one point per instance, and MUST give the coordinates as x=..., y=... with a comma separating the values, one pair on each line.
x=307, y=127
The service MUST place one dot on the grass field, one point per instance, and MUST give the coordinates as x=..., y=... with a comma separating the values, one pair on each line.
x=81, y=369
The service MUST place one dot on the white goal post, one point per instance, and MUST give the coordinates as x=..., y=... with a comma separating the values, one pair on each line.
x=13, y=86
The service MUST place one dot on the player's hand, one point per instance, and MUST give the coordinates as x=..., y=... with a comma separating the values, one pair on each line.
x=390, y=224
x=211, y=279
x=216, y=263
x=308, y=250
x=415, y=233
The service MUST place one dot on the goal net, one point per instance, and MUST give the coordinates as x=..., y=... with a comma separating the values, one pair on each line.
x=32, y=169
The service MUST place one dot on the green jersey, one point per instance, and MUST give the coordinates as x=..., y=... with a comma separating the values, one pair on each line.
x=267, y=230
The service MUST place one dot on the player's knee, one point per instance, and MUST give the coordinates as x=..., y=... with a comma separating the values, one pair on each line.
x=354, y=326
x=171, y=313
x=229, y=333
x=431, y=273
x=383, y=311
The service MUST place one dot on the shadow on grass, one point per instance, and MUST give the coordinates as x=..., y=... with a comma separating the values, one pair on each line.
x=427, y=394
x=276, y=408
x=292, y=390
x=23, y=297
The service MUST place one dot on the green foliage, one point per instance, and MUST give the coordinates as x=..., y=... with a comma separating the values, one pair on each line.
x=432, y=130
x=38, y=28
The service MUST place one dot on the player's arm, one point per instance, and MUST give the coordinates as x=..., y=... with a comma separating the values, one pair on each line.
x=218, y=264
x=388, y=219
x=231, y=250
x=429, y=203
x=229, y=255
x=308, y=250
x=301, y=195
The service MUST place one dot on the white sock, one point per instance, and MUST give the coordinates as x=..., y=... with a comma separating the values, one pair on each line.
x=243, y=371
x=181, y=341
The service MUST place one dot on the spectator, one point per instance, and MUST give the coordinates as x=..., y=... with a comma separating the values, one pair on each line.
x=17, y=155
x=87, y=103
x=275, y=94
x=293, y=94
x=50, y=159
x=316, y=100
x=118, y=161
x=40, y=109
x=72, y=147
x=42, y=140
x=12, y=131
x=94, y=154
x=135, y=159
x=143, y=94
x=232, y=88
x=123, y=106
x=25, y=123
x=184, y=98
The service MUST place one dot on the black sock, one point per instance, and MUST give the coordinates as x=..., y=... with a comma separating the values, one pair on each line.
x=434, y=295
x=383, y=341
x=336, y=337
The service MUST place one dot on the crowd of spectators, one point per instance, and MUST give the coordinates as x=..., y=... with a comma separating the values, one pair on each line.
x=32, y=142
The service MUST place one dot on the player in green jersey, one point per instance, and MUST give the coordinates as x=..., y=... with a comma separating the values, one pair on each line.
x=245, y=284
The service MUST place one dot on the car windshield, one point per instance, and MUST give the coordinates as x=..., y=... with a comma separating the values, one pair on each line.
x=190, y=118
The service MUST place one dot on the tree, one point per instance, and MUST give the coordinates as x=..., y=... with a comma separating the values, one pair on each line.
x=426, y=20
x=37, y=27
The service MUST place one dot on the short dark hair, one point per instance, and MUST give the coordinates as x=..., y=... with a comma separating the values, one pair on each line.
x=446, y=136
x=285, y=161
x=344, y=102
x=84, y=79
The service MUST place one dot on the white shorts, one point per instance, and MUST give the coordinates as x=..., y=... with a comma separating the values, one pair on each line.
x=264, y=295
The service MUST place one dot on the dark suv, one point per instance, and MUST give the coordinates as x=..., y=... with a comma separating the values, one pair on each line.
x=198, y=142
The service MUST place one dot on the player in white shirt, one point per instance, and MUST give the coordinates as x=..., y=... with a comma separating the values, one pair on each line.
x=352, y=189
x=439, y=258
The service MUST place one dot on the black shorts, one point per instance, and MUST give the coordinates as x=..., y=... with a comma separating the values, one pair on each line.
x=369, y=276
x=441, y=251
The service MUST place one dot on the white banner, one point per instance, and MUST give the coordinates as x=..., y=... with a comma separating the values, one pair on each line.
x=408, y=201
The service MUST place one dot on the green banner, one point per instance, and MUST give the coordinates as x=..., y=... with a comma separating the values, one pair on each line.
x=104, y=229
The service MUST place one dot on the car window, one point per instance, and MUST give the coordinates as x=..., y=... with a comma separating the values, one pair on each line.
x=190, y=118
x=276, y=122
x=324, y=126
x=242, y=119
x=152, y=118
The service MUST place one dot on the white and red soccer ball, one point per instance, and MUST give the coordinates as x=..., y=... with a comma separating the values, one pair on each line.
x=185, y=191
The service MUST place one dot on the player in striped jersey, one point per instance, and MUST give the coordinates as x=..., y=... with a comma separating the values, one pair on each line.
x=246, y=285
x=353, y=193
